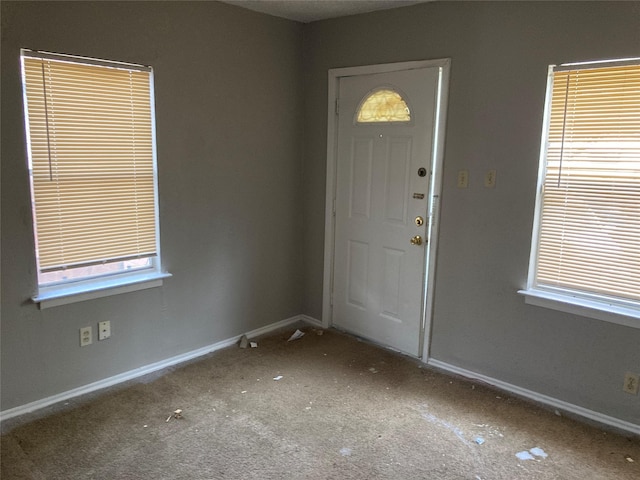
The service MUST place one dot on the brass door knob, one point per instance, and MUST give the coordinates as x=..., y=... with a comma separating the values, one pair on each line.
x=417, y=240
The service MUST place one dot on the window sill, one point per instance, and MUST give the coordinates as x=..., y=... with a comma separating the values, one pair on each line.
x=62, y=295
x=620, y=315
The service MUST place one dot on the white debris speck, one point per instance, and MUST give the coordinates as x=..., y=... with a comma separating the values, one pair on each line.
x=279, y=377
x=538, y=452
x=345, y=452
x=524, y=455
x=529, y=455
x=296, y=335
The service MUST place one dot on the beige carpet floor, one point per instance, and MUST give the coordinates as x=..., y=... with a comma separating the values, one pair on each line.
x=343, y=409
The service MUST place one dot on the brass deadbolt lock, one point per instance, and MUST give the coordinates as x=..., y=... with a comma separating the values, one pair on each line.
x=419, y=221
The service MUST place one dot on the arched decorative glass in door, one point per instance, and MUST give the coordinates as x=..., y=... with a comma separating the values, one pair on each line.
x=383, y=105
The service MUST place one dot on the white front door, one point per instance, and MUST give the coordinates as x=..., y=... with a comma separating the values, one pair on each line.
x=382, y=196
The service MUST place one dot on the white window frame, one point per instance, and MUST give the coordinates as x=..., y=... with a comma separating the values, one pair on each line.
x=112, y=283
x=595, y=306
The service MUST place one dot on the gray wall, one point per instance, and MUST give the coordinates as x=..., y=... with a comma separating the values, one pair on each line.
x=500, y=53
x=229, y=107
x=238, y=191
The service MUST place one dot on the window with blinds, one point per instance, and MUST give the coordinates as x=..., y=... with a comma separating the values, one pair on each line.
x=91, y=157
x=587, y=240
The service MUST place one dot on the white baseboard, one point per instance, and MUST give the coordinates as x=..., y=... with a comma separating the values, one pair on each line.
x=138, y=372
x=538, y=397
x=311, y=321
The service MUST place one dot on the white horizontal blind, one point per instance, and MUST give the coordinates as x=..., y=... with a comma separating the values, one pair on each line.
x=91, y=145
x=589, y=237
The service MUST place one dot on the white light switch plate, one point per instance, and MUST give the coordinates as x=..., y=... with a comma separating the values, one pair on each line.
x=463, y=178
x=490, y=179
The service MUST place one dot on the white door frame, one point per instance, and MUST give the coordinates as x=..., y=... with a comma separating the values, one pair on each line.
x=437, y=156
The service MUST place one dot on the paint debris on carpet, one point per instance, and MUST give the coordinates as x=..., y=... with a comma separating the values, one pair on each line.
x=296, y=335
x=532, y=454
x=345, y=452
x=452, y=428
x=177, y=414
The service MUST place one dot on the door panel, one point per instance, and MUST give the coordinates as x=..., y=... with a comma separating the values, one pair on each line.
x=361, y=163
x=391, y=283
x=358, y=274
x=379, y=275
x=397, y=165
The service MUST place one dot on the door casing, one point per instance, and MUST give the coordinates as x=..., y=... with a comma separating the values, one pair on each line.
x=437, y=156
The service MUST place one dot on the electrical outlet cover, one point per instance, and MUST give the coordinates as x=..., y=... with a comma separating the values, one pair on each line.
x=86, y=335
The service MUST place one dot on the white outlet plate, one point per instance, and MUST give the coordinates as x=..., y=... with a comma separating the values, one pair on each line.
x=86, y=336
x=631, y=383
x=463, y=178
x=104, y=330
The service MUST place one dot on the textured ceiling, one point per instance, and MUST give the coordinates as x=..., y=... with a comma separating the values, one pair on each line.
x=311, y=10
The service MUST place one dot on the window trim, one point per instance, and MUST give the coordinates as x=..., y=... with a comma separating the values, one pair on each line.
x=600, y=307
x=113, y=283
x=104, y=286
x=599, y=310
